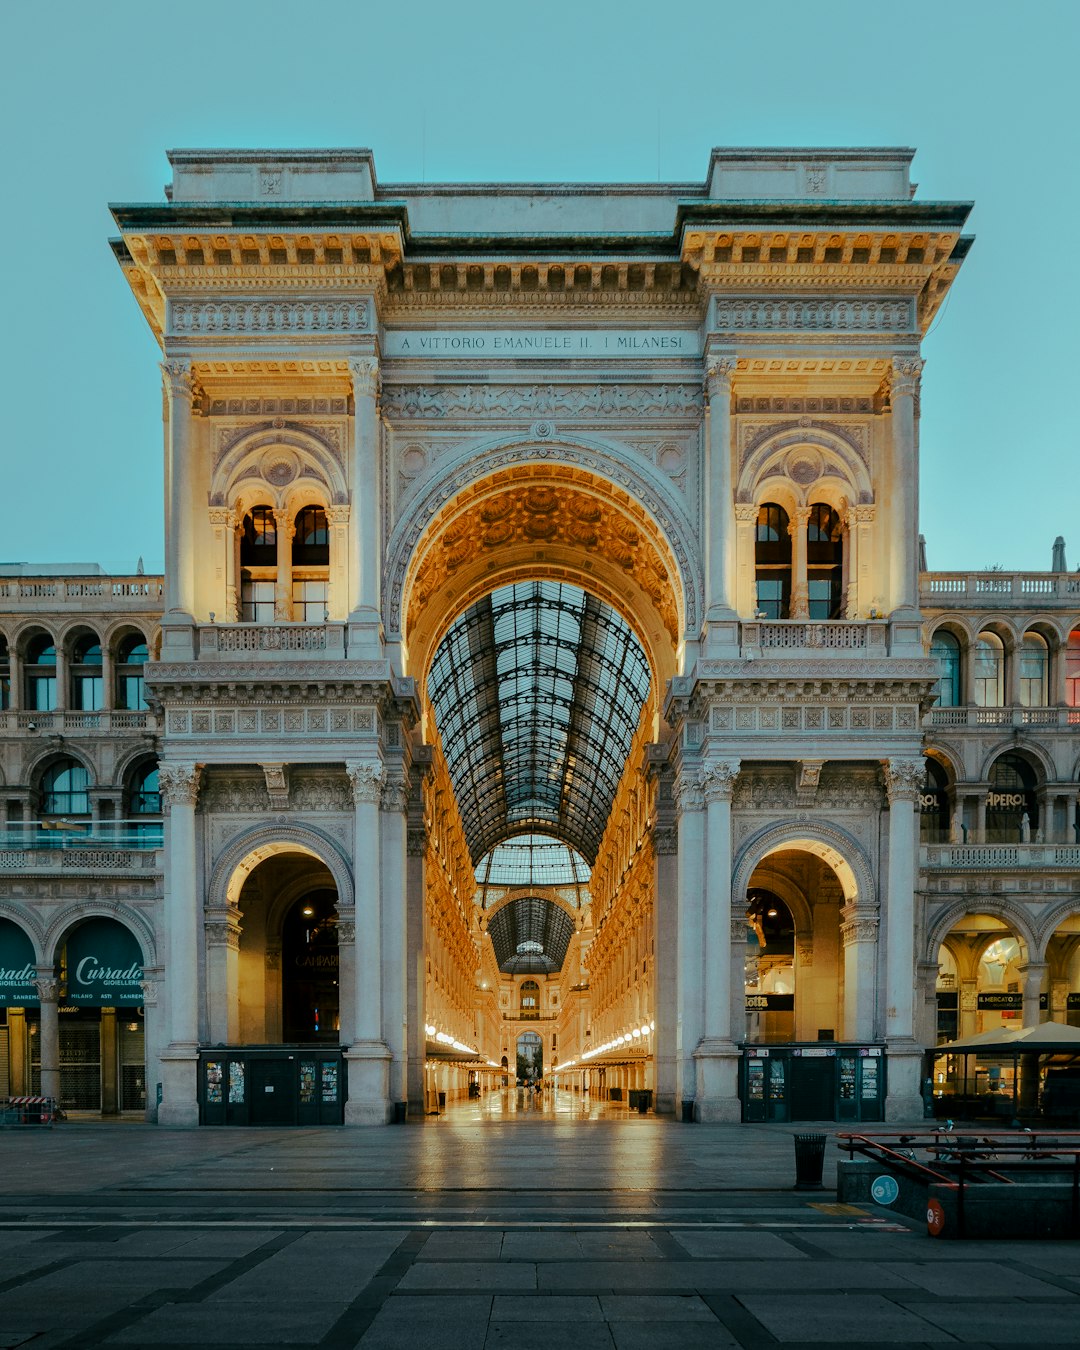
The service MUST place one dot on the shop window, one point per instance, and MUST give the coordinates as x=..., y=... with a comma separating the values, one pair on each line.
x=311, y=540
x=257, y=601
x=1072, y=669
x=65, y=789
x=258, y=538
x=934, y=821
x=131, y=657
x=309, y=600
x=5, y=674
x=1012, y=804
x=824, y=563
x=989, y=671
x=1034, y=672
x=772, y=562
x=945, y=650
x=41, y=675
x=87, y=689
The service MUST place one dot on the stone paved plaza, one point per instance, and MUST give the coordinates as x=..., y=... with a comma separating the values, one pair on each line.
x=539, y=1228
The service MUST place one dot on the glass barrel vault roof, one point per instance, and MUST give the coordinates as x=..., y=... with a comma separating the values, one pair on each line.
x=530, y=936
x=537, y=691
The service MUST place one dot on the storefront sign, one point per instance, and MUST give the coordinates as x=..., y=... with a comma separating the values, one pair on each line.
x=104, y=966
x=1072, y=1002
x=930, y=803
x=18, y=972
x=543, y=343
x=1005, y=801
x=757, y=1003
x=1001, y=1002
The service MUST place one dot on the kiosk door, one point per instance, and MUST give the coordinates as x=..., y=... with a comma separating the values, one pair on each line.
x=271, y=1088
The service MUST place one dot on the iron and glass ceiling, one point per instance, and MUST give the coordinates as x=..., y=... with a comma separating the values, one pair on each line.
x=537, y=691
x=530, y=935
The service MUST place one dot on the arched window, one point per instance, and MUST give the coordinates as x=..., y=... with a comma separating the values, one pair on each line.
x=1034, y=672
x=934, y=823
x=5, y=674
x=87, y=690
x=144, y=805
x=1012, y=796
x=1072, y=669
x=41, y=674
x=65, y=789
x=311, y=565
x=530, y=998
x=132, y=655
x=772, y=562
x=824, y=563
x=945, y=650
x=989, y=671
x=258, y=563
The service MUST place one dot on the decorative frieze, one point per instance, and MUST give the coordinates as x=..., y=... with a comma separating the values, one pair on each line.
x=296, y=316
x=582, y=402
x=847, y=314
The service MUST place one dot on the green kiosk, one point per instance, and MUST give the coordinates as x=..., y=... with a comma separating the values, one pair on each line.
x=812, y=1082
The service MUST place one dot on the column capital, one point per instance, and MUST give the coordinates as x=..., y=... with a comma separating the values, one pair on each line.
x=366, y=777
x=718, y=779
x=48, y=988
x=746, y=513
x=286, y=523
x=718, y=373
x=905, y=375
x=337, y=515
x=688, y=791
x=178, y=378
x=394, y=795
x=364, y=371
x=179, y=783
x=799, y=519
x=903, y=779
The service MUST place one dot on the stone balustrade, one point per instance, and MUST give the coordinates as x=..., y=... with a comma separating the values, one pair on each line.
x=777, y=636
x=103, y=719
x=90, y=593
x=993, y=857
x=1003, y=717
x=982, y=590
x=316, y=641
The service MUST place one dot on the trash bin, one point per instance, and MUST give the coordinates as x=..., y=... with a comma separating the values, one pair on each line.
x=688, y=1112
x=644, y=1101
x=442, y=1102
x=400, y=1111
x=809, y=1161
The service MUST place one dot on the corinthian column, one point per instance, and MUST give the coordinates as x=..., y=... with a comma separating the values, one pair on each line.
x=689, y=801
x=179, y=383
x=903, y=781
x=48, y=988
x=364, y=557
x=179, y=784
x=904, y=484
x=369, y=1057
x=800, y=583
x=720, y=513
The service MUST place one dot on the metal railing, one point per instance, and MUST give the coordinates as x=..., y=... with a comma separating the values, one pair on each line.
x=72, y=835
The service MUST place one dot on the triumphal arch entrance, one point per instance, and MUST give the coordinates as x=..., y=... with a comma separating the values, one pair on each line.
x=541, y=663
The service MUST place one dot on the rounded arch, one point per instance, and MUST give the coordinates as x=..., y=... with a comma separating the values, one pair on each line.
x=950, y=759
x=1013, y=918
x=131, y=761
x=766, y=878
x=640, y=498
x=808, y=464
x=287, y=896
x=269, y=466
x=843, y=853
x=249, y=848
x=137, y=923
x=52, y=754
x=24, y=634
x=1049, y=922
x=29, y=925
x=524, y=893
x=1036, y=755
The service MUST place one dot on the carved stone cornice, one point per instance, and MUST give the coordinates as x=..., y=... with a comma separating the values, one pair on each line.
x=179, y=784
x=718, y=778
x=367, y=780
x=904, y=779
x=297, y=316
x=514, y=402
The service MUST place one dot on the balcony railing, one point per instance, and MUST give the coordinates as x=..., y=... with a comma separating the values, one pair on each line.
x=777, y=636
x=316, y=641
x=111, y=720
x=105, y=593
x=980, y=857
x=1003, y=717
x=993, y=590
x=71, y=845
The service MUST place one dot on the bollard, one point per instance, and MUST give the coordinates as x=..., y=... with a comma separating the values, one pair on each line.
x=809, y=1161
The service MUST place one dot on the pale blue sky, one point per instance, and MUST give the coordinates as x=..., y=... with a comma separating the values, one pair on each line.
x=93, y=95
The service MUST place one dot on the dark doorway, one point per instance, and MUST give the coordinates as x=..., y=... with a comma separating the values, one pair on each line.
x=272, y=1093
x=309, y=968
x=812, y=1087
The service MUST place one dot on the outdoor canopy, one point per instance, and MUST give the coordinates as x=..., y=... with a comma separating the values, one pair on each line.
x=1046, y=1038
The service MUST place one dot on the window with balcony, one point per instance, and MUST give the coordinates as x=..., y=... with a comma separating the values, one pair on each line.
x=824, y=563
x=87, y=687
x=257, y=601
x=945, y=650
x=1072, y=669
x=5, y=674
x=144, y=805
x=310, y=565
x=934, y=814
x=772, y=562
x=989, y=671
x=132, y=655
x=1034, y=672
x=41, y=674
x=258, y=566
x=530, y=998
x=1013, y=796
x=65, y=789
x=310, y=600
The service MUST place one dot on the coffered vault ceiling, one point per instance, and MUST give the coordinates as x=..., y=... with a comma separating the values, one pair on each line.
x=537, y=691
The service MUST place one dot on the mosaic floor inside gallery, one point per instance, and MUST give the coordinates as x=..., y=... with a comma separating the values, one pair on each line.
x=536, y=1230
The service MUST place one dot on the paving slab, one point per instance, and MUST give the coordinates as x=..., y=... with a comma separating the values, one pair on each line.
x=546, y=1335
x=547, y=1308
x=1006, y=1323
x=485, y=1276
x=853, y=1319
x=670, y=1335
